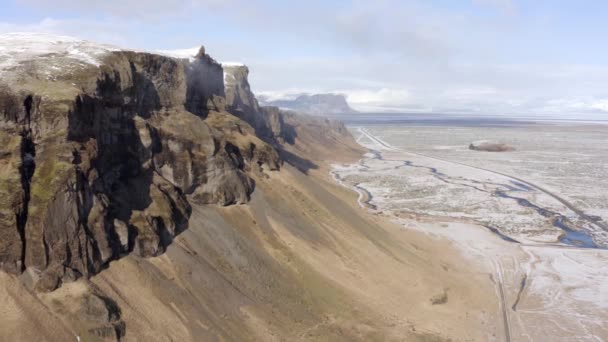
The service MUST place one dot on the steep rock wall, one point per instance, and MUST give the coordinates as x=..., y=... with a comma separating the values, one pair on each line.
x=240, y=100
x=107, y=166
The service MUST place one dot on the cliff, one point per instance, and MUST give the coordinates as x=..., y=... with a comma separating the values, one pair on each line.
x=98, y=161
x=120, y=172
x=240, y=100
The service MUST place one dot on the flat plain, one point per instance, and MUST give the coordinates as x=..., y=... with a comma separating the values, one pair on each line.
x=533, y=218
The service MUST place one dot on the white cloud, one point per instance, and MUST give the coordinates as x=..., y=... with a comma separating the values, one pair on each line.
x=389, y=54
x=132, y=9
x=378, y=98
x=601, y=105
x=287, y=94
x=94, y=30
x=503, y=5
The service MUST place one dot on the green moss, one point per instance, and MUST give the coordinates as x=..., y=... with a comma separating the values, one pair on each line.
x=10, y=180
x=9, y=187
x=50, y=174
x=10, y=194
x=9, y=142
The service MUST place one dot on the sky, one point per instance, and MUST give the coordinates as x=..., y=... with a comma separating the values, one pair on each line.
x=480, y=57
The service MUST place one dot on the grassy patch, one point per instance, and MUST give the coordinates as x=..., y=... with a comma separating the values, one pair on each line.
x=50, y=174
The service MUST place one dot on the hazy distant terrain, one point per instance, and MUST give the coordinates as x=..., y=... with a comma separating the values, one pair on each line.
x=317, y=104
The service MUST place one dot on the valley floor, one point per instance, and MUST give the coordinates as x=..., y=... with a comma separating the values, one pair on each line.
x=547, y=288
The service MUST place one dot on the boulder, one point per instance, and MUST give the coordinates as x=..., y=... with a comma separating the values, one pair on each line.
x=490, y=146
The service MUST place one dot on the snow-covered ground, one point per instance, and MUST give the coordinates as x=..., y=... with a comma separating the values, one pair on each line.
x=558, y=175
x=553, y=290
x=550, y=293
x=19, y=47
x=180, y=53
x=56, y=53
x=568, y=159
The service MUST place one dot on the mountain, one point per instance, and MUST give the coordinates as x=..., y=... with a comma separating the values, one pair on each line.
x=147, y=197
x=317, y=104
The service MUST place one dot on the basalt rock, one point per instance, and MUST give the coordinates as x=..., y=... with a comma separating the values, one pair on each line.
x=240, y=100
x=272, y=124
x=102, y=161
x=490, y=146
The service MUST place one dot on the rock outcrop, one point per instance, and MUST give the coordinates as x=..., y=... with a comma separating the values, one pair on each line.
x=490, y=146
x=98, y=161
x=240, y=100
x=276, y=126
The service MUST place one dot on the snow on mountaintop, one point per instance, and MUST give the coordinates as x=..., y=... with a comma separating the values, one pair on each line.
x=19, y=47
x=54, y=54
x=191, y=53
x=180, y=53
x=232, y=64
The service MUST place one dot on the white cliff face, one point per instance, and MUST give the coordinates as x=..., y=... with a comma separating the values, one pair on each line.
x=58, y=51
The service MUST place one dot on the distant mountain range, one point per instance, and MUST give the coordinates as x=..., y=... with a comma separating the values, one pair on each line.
x=315, y=104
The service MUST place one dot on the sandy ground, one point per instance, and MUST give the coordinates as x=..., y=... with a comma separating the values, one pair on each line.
x=546, y=291
x=24, y=317
x=327, y=271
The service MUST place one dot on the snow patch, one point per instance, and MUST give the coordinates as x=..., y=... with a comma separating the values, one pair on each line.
x=18, y=47
x=232, y=64
x=189, y=53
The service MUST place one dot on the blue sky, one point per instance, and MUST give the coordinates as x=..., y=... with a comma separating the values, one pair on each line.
x=496, y=57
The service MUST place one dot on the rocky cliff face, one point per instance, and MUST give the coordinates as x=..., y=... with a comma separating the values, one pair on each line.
x=98, y=161
x=107, y=155
x=240, y=100
x=278, y=127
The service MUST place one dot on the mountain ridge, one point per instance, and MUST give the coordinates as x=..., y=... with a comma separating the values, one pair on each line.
x=314, y=104
x=124, y=99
